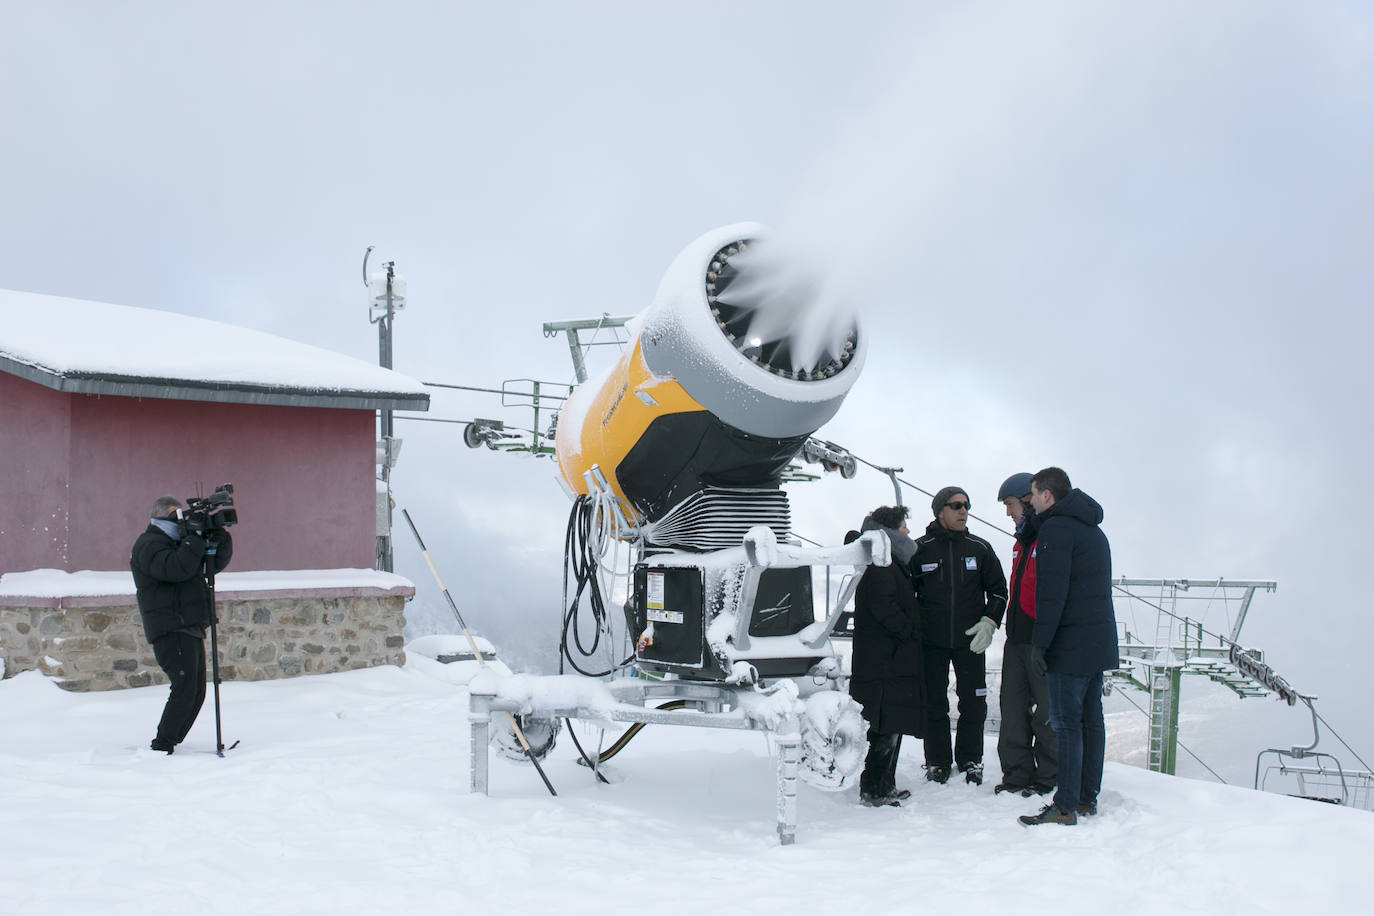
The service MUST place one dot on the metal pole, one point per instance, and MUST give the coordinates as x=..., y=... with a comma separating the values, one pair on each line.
x=385, y=554
x=481, y=663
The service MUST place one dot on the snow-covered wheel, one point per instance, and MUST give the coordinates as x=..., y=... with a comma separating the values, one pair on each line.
x=541, y=734
x=834, y=741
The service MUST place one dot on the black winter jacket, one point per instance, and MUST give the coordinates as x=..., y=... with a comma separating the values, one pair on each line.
x=958, y=580
x=1074, y=620
x=167, y=575
x=887, y=671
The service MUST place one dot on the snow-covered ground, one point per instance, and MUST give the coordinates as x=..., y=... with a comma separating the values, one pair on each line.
x=348, y=793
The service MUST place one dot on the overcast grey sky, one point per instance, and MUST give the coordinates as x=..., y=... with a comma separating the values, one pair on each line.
x=1128, y=239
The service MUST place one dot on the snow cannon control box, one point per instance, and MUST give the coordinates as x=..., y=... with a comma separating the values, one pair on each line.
x=696, y=621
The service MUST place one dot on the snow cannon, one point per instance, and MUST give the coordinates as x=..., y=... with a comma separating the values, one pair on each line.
x=679, y=450
x=739, y=358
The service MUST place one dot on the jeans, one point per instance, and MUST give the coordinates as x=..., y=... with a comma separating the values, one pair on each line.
x=1076, y=714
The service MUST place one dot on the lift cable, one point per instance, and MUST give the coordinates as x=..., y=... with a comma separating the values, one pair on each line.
x=1124, y=591
x=1222, y=640
x=599, y=610
x=1127, y=698
x=551, y=397
x=1340, y=739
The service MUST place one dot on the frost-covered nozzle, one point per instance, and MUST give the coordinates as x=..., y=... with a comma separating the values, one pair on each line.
x=751, y=330
x=771, y=311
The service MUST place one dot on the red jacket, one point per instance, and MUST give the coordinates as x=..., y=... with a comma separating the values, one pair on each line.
x=1021, y=595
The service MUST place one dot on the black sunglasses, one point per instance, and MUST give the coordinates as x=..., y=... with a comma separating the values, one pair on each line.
x=957, y=505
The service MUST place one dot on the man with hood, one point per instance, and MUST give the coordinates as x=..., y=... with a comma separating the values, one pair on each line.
x=886, y=677
x=1026, y=745
x=960, y=596
x=1074, y=638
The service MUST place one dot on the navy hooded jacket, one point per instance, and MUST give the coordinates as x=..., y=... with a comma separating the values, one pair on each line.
x=1074, y=620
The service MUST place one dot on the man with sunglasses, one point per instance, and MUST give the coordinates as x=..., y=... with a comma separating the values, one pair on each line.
x=960, y=595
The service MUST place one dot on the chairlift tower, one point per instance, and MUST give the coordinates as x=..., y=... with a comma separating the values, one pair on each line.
x=1181, y=646
x=575, y=344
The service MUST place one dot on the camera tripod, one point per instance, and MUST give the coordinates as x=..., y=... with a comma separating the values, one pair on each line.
x=208, y=571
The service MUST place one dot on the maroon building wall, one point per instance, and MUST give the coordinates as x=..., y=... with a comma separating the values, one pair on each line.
x=34, y=432
x=303, y=477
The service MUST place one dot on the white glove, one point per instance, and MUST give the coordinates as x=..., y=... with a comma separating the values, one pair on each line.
x=982, y=635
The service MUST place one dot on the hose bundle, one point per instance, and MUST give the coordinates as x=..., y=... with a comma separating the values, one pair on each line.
x=589, y=529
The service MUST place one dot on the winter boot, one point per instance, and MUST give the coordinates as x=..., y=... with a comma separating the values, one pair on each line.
x=879, y=801
x=159, y=744
x=973, y=773
x=1049, y=815
x=1013, y=787
x=938, y=774
x=1087, y=810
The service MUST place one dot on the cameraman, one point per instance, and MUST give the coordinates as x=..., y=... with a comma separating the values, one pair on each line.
x=174, y=602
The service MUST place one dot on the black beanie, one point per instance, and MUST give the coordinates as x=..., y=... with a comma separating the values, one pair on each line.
x=943, y=497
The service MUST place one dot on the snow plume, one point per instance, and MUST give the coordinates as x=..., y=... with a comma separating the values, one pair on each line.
x=790, y=296
x=960, y=95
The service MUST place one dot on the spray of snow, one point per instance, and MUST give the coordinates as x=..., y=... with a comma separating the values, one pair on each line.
x=792, y=296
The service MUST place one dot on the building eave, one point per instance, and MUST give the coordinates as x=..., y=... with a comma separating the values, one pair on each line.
x=221, y=392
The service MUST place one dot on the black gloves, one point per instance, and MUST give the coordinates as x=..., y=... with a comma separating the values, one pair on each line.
x=1037, y=661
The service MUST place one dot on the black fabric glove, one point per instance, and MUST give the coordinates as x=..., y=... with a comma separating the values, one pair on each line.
x=1037, y=661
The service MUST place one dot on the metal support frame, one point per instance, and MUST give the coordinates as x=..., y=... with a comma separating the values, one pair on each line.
x=575, y=345
x=712, y=701
x=717, y=704
x=1179, y=648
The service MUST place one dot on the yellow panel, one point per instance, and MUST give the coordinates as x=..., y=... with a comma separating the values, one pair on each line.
x=616, y=419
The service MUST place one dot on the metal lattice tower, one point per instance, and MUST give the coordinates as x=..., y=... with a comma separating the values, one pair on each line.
x=1181, y=646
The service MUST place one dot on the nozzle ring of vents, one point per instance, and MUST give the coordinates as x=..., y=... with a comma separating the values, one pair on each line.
x=734, y=306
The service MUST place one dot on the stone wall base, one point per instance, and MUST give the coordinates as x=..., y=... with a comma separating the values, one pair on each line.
x=102, y=647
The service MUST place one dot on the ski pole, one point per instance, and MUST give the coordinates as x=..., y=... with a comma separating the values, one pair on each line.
x=476, y=652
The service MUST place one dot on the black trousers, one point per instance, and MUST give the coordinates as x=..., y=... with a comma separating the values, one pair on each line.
x=1026, y=745
x=970, y=683
x=880, y=766
x=182, y=658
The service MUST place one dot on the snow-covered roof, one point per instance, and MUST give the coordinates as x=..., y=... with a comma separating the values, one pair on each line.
x=98, y=348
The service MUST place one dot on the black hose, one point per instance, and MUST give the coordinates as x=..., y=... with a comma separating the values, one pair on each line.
x=633, y=730
x=583, y=754
x=581, y=560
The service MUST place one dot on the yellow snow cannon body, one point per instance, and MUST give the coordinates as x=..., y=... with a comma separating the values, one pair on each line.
x=713, y=398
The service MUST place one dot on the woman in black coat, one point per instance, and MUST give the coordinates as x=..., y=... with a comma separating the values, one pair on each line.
x=887, y=671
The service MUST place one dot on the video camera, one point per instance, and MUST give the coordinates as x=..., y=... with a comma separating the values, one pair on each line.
x=211, y=513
